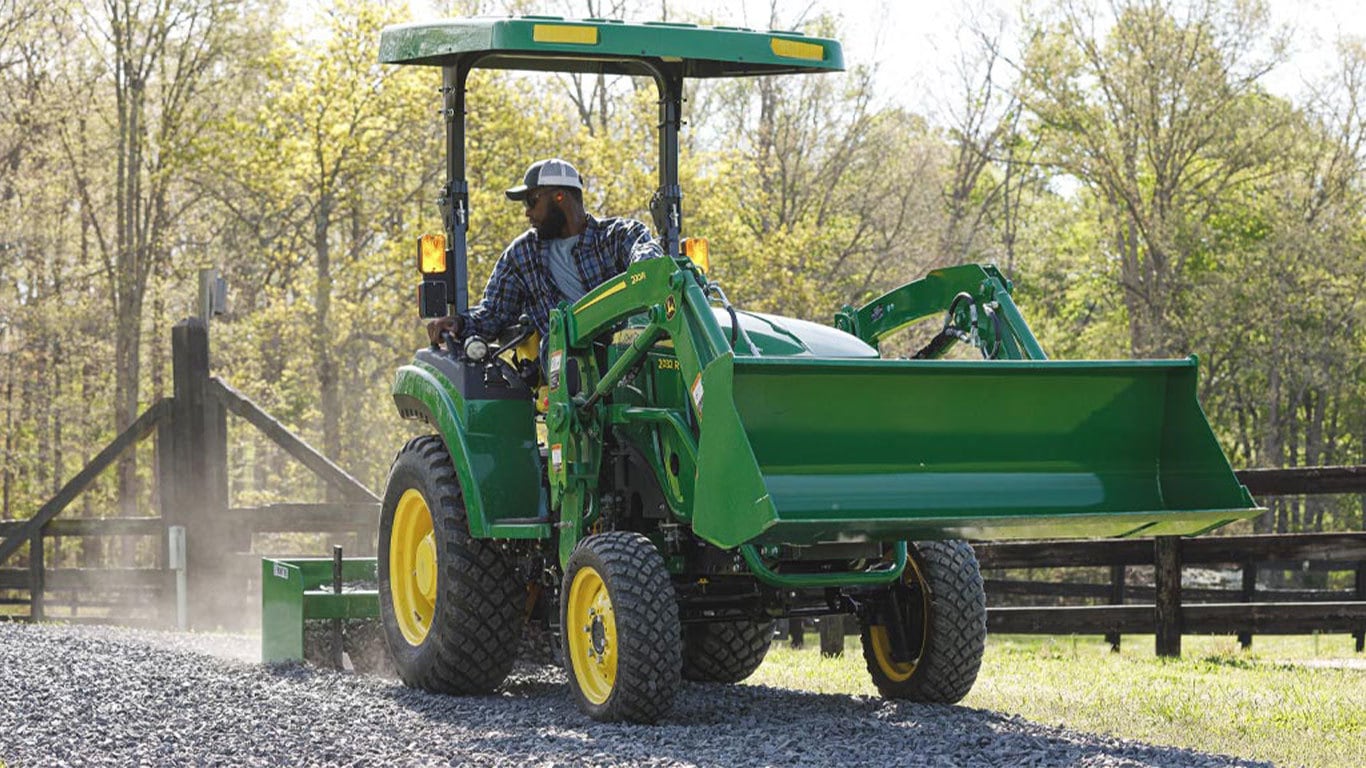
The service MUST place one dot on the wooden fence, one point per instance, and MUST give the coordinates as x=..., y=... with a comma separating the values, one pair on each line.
x=190, y=429
x=1169, y=609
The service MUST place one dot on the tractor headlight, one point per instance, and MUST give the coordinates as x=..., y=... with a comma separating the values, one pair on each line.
x=431, y=254
x=476, y=349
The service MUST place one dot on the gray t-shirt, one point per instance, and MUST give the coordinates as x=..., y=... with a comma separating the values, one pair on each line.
x=560, y=254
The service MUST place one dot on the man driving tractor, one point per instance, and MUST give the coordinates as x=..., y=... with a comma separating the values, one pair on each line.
x=566, y=253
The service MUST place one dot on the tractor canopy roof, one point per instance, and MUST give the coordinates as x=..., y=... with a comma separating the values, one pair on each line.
x=552, y=43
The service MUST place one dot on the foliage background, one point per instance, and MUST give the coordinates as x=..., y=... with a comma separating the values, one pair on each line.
x=1123, y=161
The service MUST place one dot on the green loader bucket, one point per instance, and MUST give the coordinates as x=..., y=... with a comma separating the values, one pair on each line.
x=844, y=450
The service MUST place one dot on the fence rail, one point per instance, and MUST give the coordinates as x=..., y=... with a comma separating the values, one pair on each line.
x=1173, y=609
x=1196, y=619
x=192, y=477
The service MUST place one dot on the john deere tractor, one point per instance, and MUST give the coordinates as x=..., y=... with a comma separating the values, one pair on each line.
x=694, y=471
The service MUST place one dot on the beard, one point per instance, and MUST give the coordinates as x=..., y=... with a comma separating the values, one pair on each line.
x=554, y=225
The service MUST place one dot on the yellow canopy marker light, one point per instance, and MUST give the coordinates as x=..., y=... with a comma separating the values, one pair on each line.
x=697, y=251
x=796, y=49
x=559, y=33
x=431, y=254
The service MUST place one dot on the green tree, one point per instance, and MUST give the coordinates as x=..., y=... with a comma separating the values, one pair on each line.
x=818, y=196
x=159, y=62
x=1161, y=116
x=1283, y=323
x=317, y=177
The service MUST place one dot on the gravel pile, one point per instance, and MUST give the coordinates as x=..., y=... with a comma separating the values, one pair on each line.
x=84, y=696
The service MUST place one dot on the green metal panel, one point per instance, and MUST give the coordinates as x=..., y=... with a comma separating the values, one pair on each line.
x=293, y=590
x=552, y=43
x=493, y=448
x=323, y=604
x=503, y=460
x=791, y=337
x=892, y=450
x=282, y=611
x=864, y=578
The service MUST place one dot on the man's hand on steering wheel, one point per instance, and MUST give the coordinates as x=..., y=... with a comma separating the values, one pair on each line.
x=452, y=324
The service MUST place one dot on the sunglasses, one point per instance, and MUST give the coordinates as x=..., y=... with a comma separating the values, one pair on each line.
x=531, y=199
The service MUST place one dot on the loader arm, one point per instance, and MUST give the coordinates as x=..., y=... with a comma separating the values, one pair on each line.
x=672, y=295
x=989, y=315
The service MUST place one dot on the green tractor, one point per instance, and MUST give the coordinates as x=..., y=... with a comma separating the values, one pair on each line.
x=695, y=472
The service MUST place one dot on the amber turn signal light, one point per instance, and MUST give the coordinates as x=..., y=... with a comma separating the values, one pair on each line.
x=696, y=249
x=431, y=254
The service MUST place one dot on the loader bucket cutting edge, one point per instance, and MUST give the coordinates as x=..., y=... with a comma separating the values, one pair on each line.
x=831, y=450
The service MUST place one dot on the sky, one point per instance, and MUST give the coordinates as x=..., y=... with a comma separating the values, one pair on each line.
x=915, y=42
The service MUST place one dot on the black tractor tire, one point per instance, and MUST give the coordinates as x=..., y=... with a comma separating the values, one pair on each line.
x=628, y=668
x=952, y=626
x=724, y=651
x=475, y=624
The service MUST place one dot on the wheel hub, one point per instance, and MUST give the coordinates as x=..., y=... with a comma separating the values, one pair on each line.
x=597, y=635
x=424, y=571
x=591, y=653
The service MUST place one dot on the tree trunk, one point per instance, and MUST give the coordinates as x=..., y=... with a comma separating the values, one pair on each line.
x=127, y=373
x=7, y=470
x=324, y=337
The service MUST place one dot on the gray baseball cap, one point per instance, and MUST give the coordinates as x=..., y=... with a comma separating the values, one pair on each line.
x=547, y=173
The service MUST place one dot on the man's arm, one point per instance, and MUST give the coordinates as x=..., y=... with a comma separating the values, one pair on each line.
x=637, y=243
x=505, y=298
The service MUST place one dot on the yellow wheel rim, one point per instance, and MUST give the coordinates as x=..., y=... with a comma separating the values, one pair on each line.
x=591, y=628
x=901, y=671
x=882, y=649
x=413, y=567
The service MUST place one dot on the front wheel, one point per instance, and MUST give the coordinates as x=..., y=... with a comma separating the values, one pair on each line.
x=619, y=629
x=923, y=641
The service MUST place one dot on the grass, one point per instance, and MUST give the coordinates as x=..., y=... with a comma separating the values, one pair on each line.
x=1280, y=701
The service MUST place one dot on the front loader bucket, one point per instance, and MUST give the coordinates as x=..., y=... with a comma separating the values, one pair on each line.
x=801, y=451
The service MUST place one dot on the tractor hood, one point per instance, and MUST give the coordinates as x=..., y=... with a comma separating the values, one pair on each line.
x=778, y=336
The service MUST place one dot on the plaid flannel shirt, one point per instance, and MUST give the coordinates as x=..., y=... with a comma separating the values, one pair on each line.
x=521, y=280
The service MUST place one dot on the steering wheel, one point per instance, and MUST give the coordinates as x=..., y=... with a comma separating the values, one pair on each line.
x=476, y=349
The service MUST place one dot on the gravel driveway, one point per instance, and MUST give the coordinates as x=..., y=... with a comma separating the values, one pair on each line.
x=83, y=696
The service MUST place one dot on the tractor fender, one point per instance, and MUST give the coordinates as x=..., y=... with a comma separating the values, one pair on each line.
x=491, y=442
x=424, y=395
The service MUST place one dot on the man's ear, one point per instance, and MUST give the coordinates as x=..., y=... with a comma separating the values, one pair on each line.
x=559, y=197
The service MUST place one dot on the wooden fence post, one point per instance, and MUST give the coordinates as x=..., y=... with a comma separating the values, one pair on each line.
x=168, y=468
x=1361, y=595
x=199, y=499
x=36, y=584
x=1167, y=580
x=1116, y=598
x=1249, y=596
x=832, y=635
x=1360, y=634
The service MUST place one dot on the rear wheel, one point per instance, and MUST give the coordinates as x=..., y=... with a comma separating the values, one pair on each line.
x=450, y=604
x=619, y=628
x=924, y=640
x=725, y=651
